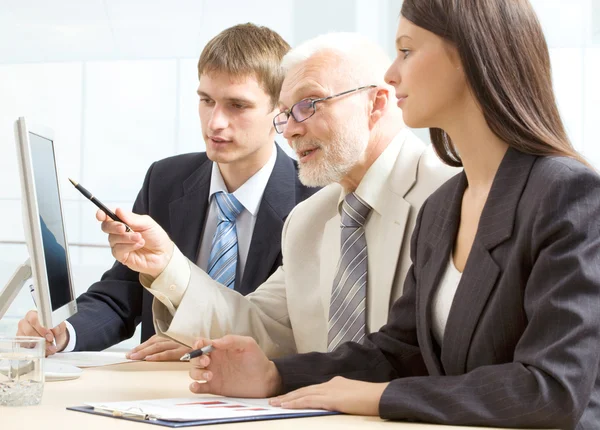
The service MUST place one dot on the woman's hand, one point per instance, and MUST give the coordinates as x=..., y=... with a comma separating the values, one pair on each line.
x=339, y=394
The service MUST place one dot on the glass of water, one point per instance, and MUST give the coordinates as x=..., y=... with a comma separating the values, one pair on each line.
x=21, y=370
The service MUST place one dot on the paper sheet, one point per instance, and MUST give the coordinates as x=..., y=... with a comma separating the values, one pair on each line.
x=199, y=408
x=90, y=358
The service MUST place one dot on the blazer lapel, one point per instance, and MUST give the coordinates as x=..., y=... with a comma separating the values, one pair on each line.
x=330, y=256
x=481, y=272
x=439, y=243
x=187, y=213
x=277, y=202
x=394, y=220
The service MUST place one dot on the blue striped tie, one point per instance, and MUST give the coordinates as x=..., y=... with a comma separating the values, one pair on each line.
x=348, y=303
x=222, y=262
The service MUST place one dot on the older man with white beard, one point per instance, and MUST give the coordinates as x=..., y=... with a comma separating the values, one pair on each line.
x=345, y=249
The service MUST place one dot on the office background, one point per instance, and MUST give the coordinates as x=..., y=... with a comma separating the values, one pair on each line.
x=116, y=80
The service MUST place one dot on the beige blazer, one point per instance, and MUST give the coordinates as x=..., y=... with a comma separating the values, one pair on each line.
x=289, y=312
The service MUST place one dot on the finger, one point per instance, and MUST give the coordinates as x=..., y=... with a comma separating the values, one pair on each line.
x=59, y=331
x=201, y=387
x=234, y=342
x=112, y=227
x=152, y=348
x=50, y=349
x=310, y=390
x=145, y=344
x=124, y=238
x=115, y=240
x=310, y=402
x=140, y=354
x=201, y=374
x=122, y=252
x=100, y=215
x=25, y=329
x=33, y=321
x=200, y=362
x=138, y=348
x=61, y=336
x=135, y=221
x=201, y=343
x=170, y=355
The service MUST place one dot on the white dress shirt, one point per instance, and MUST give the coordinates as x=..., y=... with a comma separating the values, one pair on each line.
x=443, y=298
x=250, y=195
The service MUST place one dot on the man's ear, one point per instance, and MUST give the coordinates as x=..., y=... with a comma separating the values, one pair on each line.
x=378, y=106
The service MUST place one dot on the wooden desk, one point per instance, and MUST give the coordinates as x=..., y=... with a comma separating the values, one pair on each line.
x=142, y=380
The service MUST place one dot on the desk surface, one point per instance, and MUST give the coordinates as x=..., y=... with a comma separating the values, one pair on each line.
x=144, y=380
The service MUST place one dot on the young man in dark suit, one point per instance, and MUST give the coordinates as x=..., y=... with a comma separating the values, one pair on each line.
x=224, y=209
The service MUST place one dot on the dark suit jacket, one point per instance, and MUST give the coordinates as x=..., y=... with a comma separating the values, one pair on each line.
x=522, y=342
x=175, y=195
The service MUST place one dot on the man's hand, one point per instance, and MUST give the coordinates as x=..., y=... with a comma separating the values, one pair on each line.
x=30, y=326
x=237, y=368
x=339, y=394
x=158, y=348
x=147, y=249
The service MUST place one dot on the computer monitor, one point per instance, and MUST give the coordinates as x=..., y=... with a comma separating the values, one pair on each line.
x=49, y=262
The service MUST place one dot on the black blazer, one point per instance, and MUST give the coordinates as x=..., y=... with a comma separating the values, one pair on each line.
x=175, y=195
x=522, y=343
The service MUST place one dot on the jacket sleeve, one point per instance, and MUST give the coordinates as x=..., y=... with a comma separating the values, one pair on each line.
x=555, y=367
x=110, y=310
x=550, y=380
x=211, y=310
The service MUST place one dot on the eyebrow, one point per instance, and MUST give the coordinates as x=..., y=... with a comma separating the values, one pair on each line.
x=404, y=36
x=306, y=88
x=237, y=100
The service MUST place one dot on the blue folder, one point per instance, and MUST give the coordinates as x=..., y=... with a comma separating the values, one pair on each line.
x=179, y=424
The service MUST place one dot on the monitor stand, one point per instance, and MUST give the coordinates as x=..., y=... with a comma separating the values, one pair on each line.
x=53, y=371
x=14, y=285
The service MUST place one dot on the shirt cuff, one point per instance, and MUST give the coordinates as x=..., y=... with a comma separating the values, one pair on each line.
x=72, y=338
x=170, y=286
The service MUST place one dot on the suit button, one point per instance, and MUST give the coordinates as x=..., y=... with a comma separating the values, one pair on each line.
x=172, y=288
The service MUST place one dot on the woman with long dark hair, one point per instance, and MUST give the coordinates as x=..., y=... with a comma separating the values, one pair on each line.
x=499, y=323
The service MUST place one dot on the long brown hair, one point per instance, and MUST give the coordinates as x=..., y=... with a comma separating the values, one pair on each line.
x=507, y=65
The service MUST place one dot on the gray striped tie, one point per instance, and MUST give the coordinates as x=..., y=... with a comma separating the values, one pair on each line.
x=347, y=308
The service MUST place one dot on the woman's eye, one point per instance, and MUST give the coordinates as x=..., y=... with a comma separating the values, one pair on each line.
x=405, y=52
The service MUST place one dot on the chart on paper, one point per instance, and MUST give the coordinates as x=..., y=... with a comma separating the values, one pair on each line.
x=199, y=408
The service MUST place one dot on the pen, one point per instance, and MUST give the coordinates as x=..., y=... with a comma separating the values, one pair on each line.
x=98, y=203
x=197, y=353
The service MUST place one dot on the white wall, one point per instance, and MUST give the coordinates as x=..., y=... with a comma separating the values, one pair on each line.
x=116, y=80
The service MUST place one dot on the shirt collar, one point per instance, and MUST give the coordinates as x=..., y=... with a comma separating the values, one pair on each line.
x=375, y=180
x=251, y=192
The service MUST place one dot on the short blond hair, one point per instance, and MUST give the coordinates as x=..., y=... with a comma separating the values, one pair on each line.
x=247, y=49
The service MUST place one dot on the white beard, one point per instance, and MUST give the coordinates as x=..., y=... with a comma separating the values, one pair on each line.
x=337, y=158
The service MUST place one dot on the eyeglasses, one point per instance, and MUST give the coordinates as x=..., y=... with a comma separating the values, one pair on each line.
x=305, y=108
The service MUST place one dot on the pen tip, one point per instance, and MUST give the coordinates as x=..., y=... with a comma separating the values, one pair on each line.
x=73, y=182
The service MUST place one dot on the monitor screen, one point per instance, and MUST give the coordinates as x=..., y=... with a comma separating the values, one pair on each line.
x=53, y=235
